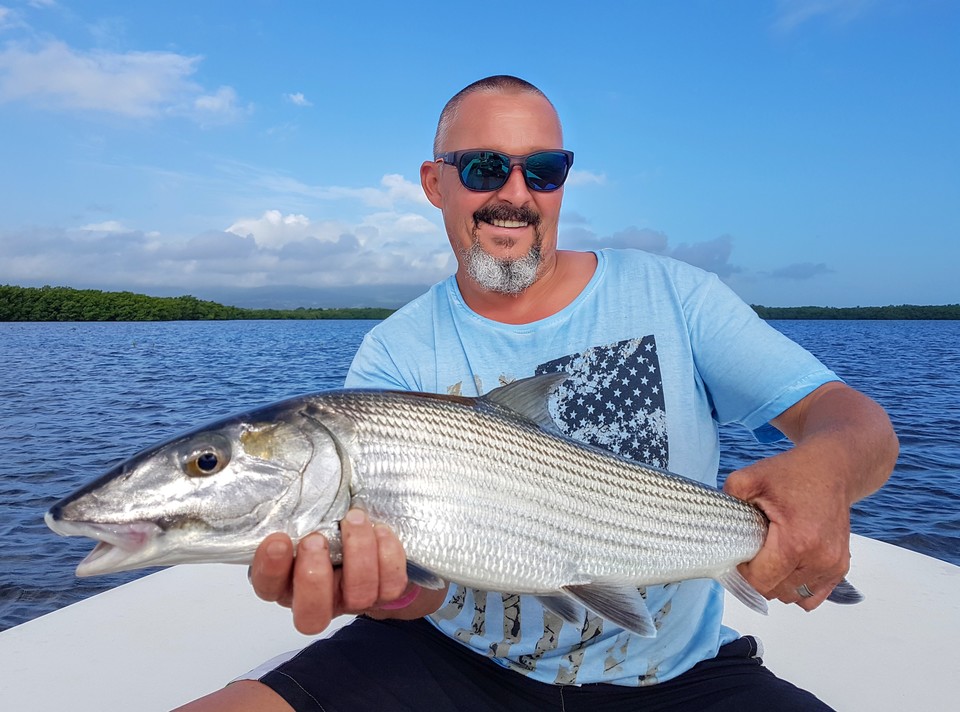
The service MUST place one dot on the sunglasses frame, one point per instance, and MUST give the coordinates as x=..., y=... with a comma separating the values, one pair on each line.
x=452, y=158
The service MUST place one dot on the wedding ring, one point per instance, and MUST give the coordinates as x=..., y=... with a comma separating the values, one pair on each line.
x=804, y=591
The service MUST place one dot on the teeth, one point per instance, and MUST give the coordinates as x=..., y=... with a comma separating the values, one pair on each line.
x=508, y=223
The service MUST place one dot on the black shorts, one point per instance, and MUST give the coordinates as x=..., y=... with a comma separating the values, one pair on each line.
x=409, y=665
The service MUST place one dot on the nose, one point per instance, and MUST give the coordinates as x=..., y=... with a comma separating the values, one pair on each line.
x=515, y=190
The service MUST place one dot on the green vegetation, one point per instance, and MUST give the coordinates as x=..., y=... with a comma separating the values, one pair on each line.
x=903, y=311
x=66, y=304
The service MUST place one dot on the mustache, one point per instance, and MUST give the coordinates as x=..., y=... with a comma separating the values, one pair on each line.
x=489, y=213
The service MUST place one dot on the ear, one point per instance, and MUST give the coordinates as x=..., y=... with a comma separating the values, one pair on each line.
x=430, y=181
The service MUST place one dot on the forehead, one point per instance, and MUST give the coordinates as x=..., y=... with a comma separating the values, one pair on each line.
x=512, y=122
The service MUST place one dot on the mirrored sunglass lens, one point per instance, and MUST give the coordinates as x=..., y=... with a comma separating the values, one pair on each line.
x=484, y=170
x=546, y=171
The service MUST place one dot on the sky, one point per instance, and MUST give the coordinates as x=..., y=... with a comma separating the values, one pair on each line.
x=267, y=154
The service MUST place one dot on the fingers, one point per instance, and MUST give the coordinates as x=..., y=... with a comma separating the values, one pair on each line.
x=272, y=569
x=360, y=585
x=314, y=586
x=784, y=566
x=374, y=572
x=374, y=563
x=808, y=538
x=392, y=564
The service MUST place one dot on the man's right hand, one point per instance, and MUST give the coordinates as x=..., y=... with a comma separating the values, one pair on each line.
x=373, y=574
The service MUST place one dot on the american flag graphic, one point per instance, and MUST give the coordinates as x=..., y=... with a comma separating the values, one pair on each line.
x=614, y=400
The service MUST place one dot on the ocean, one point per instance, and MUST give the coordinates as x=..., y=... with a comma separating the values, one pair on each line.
x=76, y=398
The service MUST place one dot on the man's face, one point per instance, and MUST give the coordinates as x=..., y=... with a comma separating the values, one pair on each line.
x=501, y=238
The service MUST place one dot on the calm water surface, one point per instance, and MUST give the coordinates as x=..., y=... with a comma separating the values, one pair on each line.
x=77, y=398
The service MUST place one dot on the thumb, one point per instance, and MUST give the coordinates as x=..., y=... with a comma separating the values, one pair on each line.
x=744, y=485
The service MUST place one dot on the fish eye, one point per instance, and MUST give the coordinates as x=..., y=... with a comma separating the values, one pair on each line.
x=206, y=459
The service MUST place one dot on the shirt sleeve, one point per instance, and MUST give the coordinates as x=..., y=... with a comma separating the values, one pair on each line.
x=752, y=373
x=373, y=367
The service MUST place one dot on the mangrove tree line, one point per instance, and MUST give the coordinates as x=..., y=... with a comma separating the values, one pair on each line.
x=67, y=304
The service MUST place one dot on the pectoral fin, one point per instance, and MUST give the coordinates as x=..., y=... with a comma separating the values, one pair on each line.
x=422, y=577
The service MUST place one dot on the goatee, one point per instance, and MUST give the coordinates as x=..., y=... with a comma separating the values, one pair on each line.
x=504, y=276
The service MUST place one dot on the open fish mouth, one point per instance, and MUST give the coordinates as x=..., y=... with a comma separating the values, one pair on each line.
x=117, y=544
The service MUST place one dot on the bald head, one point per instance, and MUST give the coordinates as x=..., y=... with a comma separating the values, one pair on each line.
x=498, y=84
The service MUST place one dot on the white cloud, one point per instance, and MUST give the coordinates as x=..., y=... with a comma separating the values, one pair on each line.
x=273, y=229
x=298, y=99
x=791, y=14
x=394, y=188
x=131, y=84
x=219, y=107
x=276, y=249
x=106, y=226
x=578, y=177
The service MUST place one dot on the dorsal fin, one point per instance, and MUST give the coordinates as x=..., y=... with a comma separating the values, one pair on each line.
x=529, y=397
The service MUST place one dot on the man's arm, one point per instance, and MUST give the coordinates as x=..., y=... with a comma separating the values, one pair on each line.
x=844, y=449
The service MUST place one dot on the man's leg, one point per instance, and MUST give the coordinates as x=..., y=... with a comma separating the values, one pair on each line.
x=240, y=696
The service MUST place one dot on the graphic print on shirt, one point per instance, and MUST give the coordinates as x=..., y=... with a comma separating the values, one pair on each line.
x=613, y=399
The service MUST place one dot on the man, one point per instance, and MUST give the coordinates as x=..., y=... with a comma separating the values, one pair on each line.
x=689, y=354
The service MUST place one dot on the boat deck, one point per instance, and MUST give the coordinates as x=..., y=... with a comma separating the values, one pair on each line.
x=170, y=637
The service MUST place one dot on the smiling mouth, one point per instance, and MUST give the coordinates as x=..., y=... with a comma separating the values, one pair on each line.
x=506, y=216
x=508, y=223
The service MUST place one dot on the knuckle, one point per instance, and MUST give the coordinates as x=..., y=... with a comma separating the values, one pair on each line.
x=392, y=590
x=359, y=598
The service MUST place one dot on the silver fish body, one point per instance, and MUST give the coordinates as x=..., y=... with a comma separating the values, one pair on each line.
x=481, y=491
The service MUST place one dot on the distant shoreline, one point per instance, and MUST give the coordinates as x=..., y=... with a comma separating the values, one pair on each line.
x=19, y=304
x=902, y=312
x=68, y=304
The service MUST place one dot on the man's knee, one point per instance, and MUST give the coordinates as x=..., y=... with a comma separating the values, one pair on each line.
x=240, y=696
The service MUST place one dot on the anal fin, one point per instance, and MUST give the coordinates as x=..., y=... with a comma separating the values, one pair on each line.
x=741, y=589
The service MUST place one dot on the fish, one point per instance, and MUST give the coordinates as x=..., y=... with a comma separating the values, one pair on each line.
x=485, y=492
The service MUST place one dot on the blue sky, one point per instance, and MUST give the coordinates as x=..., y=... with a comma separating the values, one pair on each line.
x=808, y=151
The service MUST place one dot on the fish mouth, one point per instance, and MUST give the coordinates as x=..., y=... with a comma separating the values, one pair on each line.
x=120, y=546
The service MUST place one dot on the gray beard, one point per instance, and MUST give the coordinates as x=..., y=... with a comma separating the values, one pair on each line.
x=502, y=276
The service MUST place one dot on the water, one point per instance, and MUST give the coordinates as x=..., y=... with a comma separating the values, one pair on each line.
x=77, y=398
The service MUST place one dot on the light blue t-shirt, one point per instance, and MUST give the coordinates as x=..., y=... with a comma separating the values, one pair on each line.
x=658, y=352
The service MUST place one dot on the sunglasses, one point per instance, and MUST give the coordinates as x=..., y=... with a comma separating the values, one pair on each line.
x=483, y=171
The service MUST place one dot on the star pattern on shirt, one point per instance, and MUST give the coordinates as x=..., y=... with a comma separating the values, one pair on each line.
x=614, y=399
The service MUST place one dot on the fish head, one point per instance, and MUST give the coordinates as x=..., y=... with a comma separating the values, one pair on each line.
x=209, y=495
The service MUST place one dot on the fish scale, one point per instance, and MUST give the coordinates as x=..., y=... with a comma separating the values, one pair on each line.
x=534, y=491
